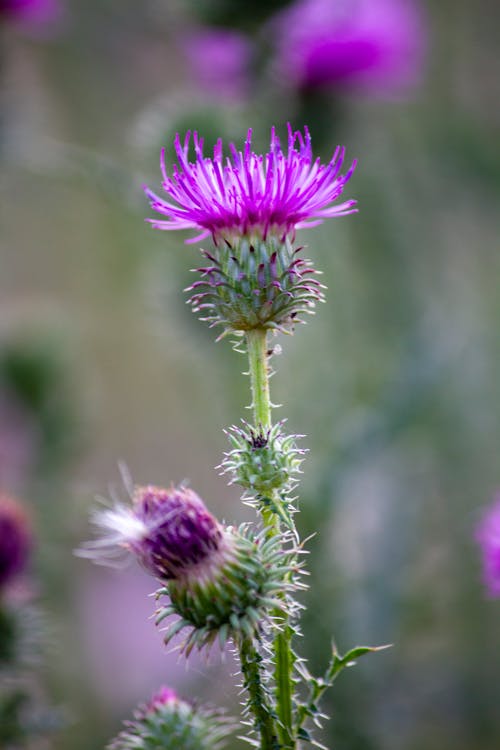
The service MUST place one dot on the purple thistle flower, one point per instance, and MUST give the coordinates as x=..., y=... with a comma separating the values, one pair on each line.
x=488, y=537
x=15, y=539
x=250, y=194
x=170, y=531
x=371, y=46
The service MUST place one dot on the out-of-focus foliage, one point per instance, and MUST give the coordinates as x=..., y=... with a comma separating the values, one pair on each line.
x=395, y=381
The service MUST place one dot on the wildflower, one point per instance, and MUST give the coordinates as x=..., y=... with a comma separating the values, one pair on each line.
x=15, y=539
x=221, y=581
x=370, y=46
x=219, y=61
x=168, y=721
x=249, y=194
x=252, y=206
x=488, y=537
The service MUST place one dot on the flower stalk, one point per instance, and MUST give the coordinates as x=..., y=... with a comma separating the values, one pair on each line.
x=259, y=703
x=259, y=376
x=283, y=659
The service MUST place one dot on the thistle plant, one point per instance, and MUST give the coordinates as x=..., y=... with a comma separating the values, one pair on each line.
x=219, y=583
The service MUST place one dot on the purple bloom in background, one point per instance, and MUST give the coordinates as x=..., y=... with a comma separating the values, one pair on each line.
x=169, y=531
x=249, y=193
x=488, y=536
x=15, y=539
x=219, y=61
x=31, y=13
x=372, y=46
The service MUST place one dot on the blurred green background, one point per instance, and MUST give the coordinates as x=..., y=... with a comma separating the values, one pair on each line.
x=395, y=381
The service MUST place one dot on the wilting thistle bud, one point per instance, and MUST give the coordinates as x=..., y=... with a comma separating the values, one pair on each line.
x=262, y=460
x=255, y=284
x=169, y=531
x=221, y=582
x=15, y=539
x=181, y=533
x=169, y=722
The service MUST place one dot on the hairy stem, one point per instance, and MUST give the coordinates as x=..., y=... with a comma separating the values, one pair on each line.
x=258, y=702
x=259, y=379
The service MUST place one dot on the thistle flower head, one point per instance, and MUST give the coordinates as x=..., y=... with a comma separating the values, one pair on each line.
x=249, y=194
x=15, y=539
x=168, y=721
x=221, y=582
x=488, y=536
x=170, y=531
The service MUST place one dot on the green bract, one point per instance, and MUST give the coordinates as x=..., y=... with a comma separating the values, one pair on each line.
x=254, y=283
x=233, y=596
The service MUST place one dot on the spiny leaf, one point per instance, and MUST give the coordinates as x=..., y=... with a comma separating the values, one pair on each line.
x=338, y=663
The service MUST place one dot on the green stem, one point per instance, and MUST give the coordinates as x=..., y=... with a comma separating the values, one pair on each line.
x=264, y=719
x=259, y=379
x=259, y=376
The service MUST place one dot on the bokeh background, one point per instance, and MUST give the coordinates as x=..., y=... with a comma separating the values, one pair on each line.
x=395, y=381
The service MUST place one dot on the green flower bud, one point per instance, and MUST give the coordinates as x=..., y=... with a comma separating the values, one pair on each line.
x=262, y=460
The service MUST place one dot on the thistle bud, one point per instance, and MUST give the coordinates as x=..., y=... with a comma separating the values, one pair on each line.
x=222, y=582
x=262, y=460
x=15, y=539
x=168, y=721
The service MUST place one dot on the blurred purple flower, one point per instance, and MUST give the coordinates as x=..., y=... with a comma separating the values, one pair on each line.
x=35, y=15
x=251, y=194
x=219, y=61
x=372, y=46
x=488, y=537
x=15, y=539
